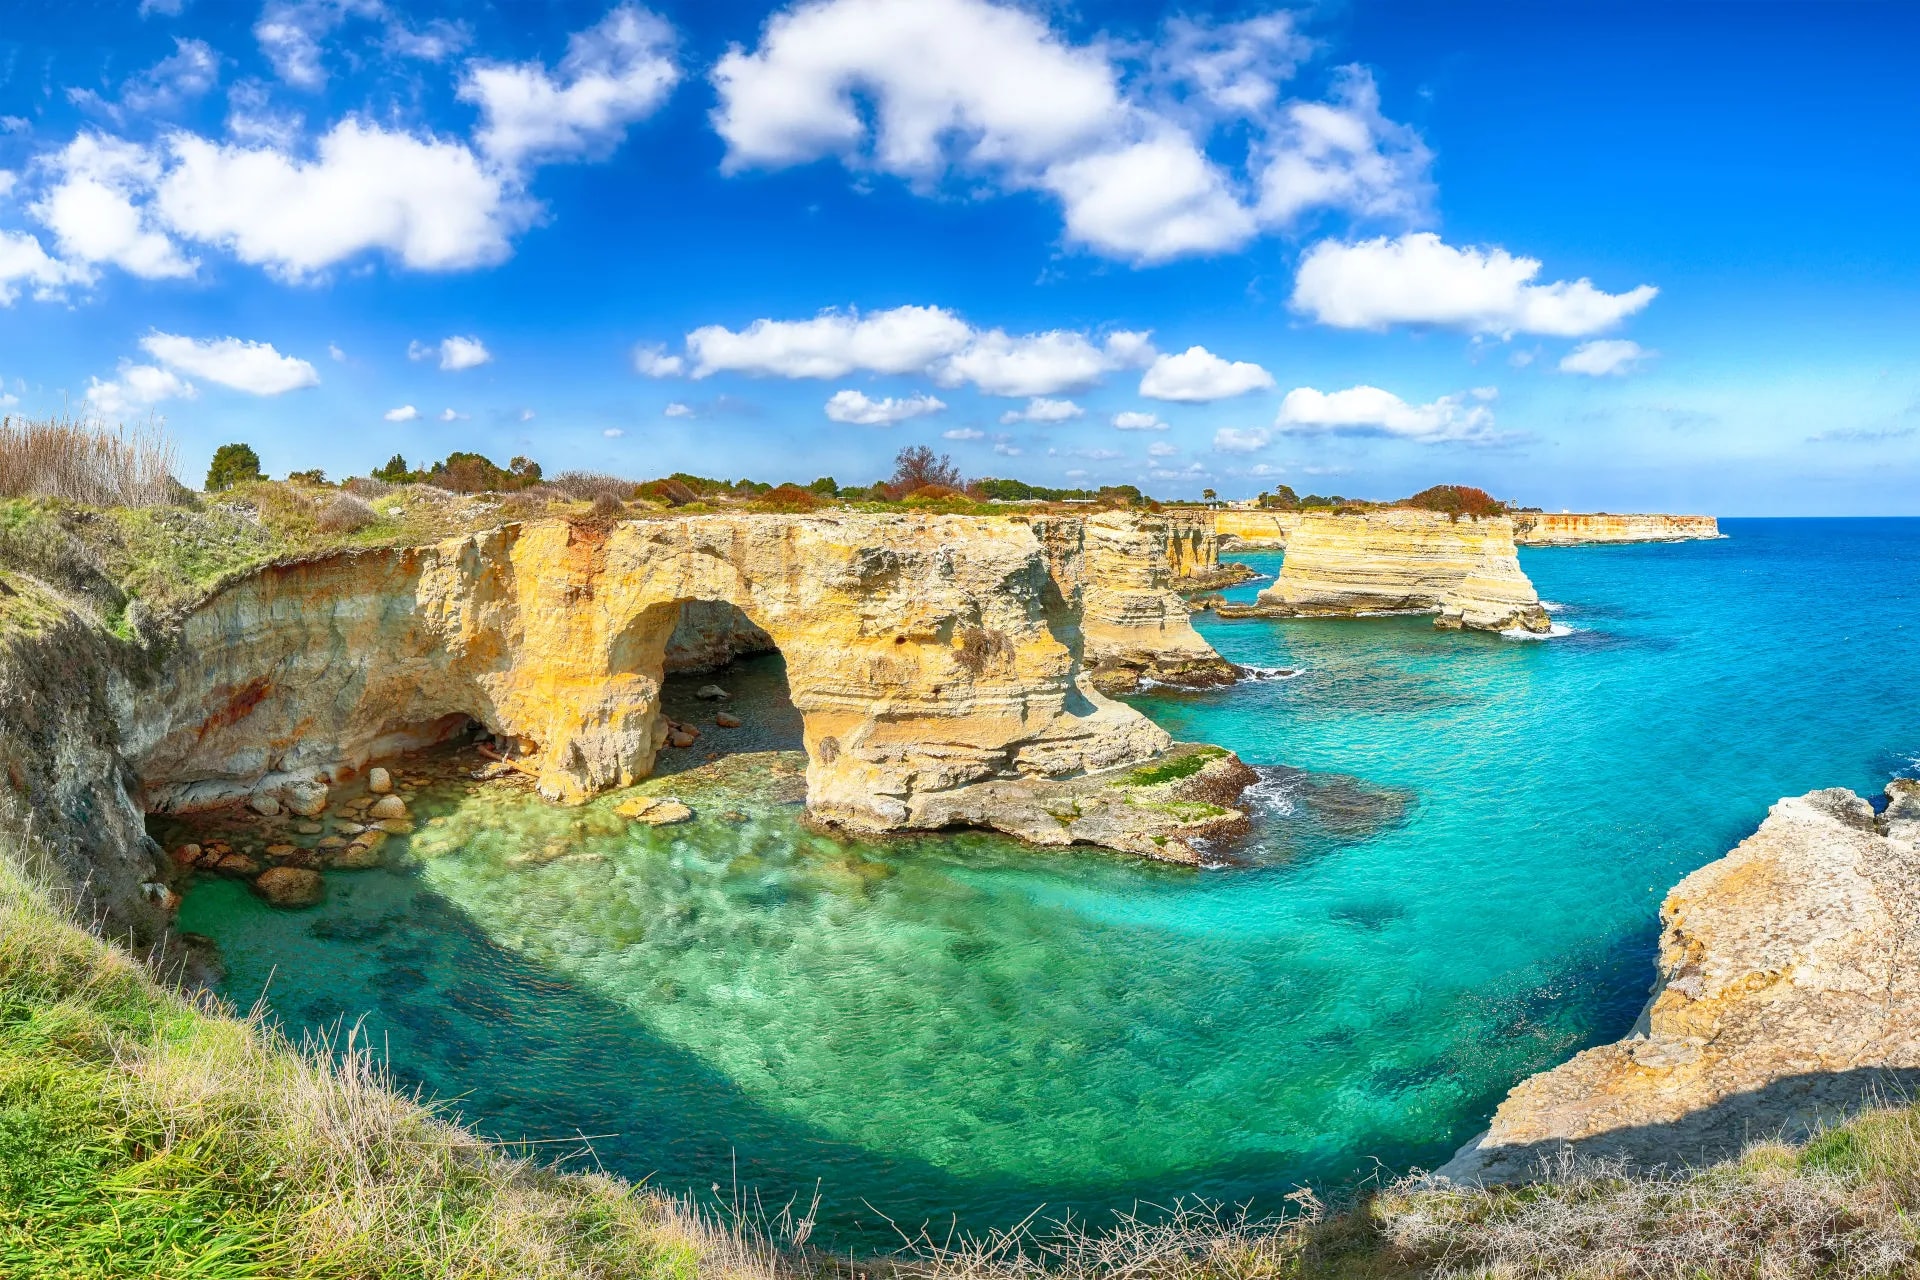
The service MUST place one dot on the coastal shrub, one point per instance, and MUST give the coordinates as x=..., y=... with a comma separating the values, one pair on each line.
x=463, y=472
x=586, y=486
x=671, y=491
x=367, y=487
x=345, y=513
x=787, y=497
x=233, y=464
x=916, y=467
x=1456, y=500
x=608, y=507
x=77, y=460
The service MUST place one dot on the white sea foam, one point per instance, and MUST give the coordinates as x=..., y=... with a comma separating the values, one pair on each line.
x=1552, y=606
x=1271, y=673
x=1276, y=792
x=1554, y=632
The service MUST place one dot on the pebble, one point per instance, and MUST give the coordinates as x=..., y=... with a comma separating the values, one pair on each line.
x=727, y=720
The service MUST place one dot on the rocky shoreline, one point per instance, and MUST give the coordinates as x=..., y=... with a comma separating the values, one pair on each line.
x=1788, y=996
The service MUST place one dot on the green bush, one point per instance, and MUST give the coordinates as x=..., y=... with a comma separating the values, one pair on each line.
x=233, y=464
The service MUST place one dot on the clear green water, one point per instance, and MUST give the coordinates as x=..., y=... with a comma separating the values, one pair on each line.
x=1456, y=885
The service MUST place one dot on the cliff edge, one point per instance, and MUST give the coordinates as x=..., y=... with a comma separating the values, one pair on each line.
x=1788, y=995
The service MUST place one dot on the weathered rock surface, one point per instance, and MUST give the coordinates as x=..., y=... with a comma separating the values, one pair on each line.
x=940, y=662
x=1397, y=560
x=1546, y=529
x=1118, y=606
x=290, y=886
x=1262, y=530
x=712, y=633
x=1789, y=991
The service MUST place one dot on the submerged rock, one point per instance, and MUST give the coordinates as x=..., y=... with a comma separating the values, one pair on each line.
x=727, y=720
x=388, y=807
x=712, y=693
x=379, y=780
x=654, y=811
x=290, y=886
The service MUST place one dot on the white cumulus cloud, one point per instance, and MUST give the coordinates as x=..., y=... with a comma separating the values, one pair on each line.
x=23, y=262
x=135, y=387
x=854, y=407
x=405, y=413
x=454, y=353
x=914, y=340
x=1420, y=279
x=1367, y=410
x=939, y=90
x=1135, y=420
x=253, y=367
x=1042, y=409
x=1197, y=375
x=677, y=410
x=1605, y=357
x=963, y=433
x=1238, y=440
x=651, y=359
x=614, y=73
x=93, y=208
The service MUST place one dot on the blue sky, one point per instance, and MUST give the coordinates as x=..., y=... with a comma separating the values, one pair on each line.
x=1588, y=256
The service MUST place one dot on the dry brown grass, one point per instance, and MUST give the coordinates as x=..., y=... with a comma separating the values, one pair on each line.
x=345, y=513
x=81, y=460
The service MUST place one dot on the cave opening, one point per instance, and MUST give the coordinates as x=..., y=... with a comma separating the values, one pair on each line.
x=715, y=650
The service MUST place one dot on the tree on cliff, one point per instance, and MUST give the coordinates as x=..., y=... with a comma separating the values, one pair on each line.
x=233, y=464
x=915, y=467
x=395, y=472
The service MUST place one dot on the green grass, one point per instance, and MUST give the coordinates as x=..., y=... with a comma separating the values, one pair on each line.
x=1182, y=766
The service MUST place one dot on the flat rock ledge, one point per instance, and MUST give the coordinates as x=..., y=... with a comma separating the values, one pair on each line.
x=1788, y=996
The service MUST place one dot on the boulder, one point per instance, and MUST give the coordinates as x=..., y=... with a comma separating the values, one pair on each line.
x=661, y=813
x=307, y=799
x=388, y=807
x=264, y=805
x=634, y=807
x=712, y=693
x=186, y=855
x=680, y=738
x=237, y=864
x=331, y=842
x=358, y=856
x=290, y=886
x=727, y=720
x=379, y=781
x=280, y=850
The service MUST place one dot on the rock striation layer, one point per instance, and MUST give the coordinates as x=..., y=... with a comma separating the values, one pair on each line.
x=941, y=664
x=1546, y=529
x=1788, y=992
x=1398, y=560
x=1255, y=529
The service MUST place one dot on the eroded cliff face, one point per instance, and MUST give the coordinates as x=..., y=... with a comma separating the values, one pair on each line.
x=1116, y=576
x=1789, y=991
x=1465, y=571
x=1546, y=529
x=1255, y=529
x=935, y=660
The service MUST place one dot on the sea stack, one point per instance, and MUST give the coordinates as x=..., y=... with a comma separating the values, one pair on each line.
x=1463, y=569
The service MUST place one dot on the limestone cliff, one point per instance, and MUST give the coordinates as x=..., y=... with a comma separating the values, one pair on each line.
x=1116, y=578
x=712, y=633
x=1546, y=529
x=1789, y=990
x=1392, y=560
x=1255, y=529
x=936, y=660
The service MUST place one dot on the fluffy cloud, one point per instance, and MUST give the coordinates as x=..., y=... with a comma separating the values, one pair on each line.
x=1365, y=410
x=90, y=208
x=1237, y=440
x=918, y=340
x=455, y=353
x=1419, y=279
x=1041, y=409
x=613, y=74
x=963, y=433
x=405, y=413
x=854, y=407
x=135, y=387
x=974, y=89
x=24, y=262
x=431, y=204
x=652, y=360
x=451, y=415
x=1161, y=449
x=1605, y=356
x=677, y=410
x=1134, y=420
x=253, y=367
x=188, y=72
x=1197, y=374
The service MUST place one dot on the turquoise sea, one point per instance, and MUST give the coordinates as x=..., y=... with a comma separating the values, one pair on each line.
x=1455, y=880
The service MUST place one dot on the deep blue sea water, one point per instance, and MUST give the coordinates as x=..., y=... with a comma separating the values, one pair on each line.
x=1455, y=882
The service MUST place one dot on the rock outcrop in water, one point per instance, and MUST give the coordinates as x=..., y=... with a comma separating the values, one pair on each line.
x=1397, y=560
x=940, y=663
x=1546, y=529
x=1789, y=991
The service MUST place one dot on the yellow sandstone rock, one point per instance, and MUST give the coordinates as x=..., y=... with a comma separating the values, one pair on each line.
x=940, y=663
x=1546, y=529
x=1399, y=560
x=1789, y=991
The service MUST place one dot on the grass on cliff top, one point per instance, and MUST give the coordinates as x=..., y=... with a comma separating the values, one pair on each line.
x=1181, y=766
x=143, y=1134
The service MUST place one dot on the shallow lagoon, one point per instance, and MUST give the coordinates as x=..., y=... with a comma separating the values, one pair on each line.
x=1455, y=884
